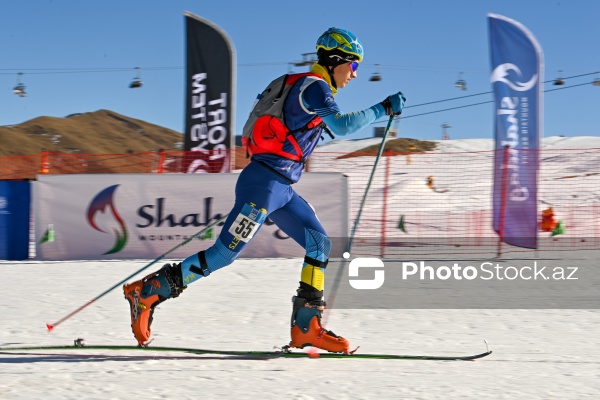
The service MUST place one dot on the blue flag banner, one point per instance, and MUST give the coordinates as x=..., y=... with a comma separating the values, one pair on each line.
x=517, y=72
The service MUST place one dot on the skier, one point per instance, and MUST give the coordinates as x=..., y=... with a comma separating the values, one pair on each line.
x=429, y=182
x=549, y=222
x=264, y=189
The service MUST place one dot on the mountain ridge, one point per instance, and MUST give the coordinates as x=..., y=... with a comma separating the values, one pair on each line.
x=99, y=132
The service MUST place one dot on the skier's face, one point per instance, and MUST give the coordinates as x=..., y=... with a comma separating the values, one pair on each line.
x=344, y=73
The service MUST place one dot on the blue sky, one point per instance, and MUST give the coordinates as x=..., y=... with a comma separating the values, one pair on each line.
x=79, y=56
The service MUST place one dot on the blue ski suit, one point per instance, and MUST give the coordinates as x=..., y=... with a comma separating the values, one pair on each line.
x=264, y=188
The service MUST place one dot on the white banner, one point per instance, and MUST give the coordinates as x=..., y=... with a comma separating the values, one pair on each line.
x=140, y=216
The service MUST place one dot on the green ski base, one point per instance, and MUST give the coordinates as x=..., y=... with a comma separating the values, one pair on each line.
x=253, y=354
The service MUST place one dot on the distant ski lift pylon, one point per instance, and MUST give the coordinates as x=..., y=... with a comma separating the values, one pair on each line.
x=308, y=59
x=445, y=135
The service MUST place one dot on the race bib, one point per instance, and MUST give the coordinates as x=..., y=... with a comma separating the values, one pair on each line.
x=247, y=222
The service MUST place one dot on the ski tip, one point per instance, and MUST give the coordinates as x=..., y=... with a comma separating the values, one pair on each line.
x=50, y=327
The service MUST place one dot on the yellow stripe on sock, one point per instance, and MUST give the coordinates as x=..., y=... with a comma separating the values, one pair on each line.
x=313, y=276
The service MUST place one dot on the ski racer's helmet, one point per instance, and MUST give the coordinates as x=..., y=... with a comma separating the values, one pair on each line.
x=338, y=46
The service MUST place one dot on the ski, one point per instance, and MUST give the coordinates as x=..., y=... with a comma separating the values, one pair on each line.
x=252, y=353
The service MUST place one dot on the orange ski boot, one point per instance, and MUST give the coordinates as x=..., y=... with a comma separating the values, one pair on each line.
x=307, y=329
x=144, y=295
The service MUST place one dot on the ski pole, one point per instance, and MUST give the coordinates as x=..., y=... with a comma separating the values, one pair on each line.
x=338, y=276
x=364, y=199
x=157, y=259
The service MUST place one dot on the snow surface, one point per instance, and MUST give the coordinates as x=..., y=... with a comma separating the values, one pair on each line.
x=538, y=354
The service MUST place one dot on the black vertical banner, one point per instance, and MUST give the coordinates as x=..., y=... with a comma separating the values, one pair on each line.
x=209, y=119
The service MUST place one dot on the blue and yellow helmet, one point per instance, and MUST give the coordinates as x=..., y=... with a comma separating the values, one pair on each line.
x=337, y=46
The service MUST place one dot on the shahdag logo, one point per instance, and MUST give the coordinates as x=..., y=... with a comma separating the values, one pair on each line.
x=502, y=73
x=102, y=209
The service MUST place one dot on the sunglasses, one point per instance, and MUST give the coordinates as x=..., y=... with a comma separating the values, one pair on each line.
x=354, y=66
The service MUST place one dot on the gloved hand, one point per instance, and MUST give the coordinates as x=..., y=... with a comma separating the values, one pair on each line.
x=394, y=104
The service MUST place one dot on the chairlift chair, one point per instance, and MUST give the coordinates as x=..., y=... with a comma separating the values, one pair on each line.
x=376, y=77
x=460, y=83
x=137, y=81
x=559, y=81
x=19, y=89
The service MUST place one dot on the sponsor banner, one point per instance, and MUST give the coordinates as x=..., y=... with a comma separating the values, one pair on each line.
x=517, y=62
x=140, y=216
x=209, y=119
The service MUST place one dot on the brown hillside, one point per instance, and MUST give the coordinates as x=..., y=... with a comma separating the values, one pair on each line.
x=396, y=146
x=106, y=132
x=99, y=132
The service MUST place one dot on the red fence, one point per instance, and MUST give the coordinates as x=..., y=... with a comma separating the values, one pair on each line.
x=27, y=167
x=419, y=203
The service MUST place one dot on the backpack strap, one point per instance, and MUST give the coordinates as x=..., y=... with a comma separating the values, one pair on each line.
x=285, y=78
x=316, y=122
